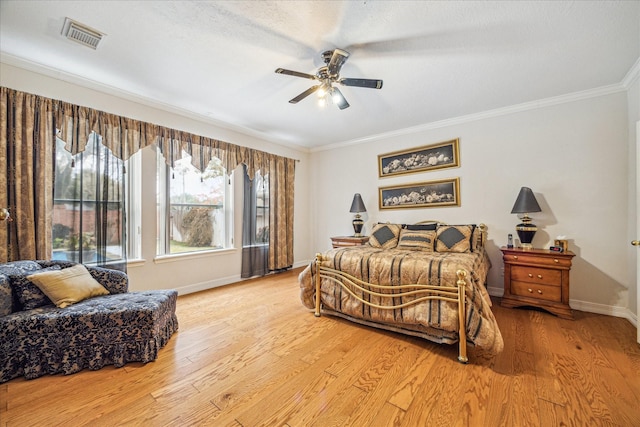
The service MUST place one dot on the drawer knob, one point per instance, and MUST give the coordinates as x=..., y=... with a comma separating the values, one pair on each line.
x=539, y=291
x=539, y=276
x=515, y=257
x=530, y=290
x=530, y=275
x=555, y=260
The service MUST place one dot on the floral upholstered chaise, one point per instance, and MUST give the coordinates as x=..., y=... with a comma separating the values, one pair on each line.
x=39, y=338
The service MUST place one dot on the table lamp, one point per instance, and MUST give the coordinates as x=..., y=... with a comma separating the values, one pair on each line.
x=526, y=203
x=357, y=206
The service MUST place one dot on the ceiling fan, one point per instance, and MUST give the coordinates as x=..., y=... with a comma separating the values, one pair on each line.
x=327, y=76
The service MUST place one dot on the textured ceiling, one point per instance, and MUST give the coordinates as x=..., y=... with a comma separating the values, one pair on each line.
x=439, y=60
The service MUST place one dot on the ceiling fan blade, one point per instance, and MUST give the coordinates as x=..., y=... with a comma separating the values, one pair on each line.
x=369, y=83
x=338, y=58
x=296, y=74
x=304, y=94
x=339, y=99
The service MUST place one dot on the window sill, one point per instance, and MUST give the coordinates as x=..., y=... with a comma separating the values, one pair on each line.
x=161, y=259
x=136, y=262
x=257, y=245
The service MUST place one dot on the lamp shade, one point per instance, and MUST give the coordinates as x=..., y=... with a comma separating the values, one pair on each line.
x=357, y=205
x=526, y=202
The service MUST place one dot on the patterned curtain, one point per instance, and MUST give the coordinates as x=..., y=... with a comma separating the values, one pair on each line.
x=124, y=137
x=27, y=139
x=281, y=179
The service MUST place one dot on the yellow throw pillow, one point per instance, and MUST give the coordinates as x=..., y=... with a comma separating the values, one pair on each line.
x=68, y=286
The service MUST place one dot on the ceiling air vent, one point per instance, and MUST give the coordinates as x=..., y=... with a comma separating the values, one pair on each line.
x=81, y=33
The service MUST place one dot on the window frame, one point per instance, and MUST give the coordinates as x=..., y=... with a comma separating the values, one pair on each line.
x=163, y=206
x=132, y=199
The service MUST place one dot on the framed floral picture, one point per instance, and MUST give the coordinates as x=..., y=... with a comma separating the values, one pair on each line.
x=422, y=159
x=430, y=194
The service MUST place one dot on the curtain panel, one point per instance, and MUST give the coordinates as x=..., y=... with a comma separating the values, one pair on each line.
x=281, y=180
x=28, y=126
x=27, y=147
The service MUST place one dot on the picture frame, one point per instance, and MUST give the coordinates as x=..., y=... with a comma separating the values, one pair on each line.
x=428, y=194
x=421, y=159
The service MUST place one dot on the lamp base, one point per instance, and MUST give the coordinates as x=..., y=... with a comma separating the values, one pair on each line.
x=357, y=226
x=526, y=231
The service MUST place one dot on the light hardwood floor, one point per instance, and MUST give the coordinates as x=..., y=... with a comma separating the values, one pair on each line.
x=249, y=355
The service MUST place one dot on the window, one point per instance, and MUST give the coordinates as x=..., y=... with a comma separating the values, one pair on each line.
x=90, y=192
x=260, y=188
x=194, y=208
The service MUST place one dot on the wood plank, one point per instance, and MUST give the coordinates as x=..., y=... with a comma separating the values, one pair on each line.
x=342, y=370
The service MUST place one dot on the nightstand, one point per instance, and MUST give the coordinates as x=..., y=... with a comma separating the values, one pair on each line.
x=537, y=278
x=345, y=241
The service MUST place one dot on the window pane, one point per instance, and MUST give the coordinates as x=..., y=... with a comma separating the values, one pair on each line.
x=196, y=207
x=85, y=183
x=262, y=208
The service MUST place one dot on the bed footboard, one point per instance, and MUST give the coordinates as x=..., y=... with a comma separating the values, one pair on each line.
x=416, y=293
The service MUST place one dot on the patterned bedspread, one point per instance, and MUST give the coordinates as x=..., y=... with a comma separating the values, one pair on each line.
x=434, y=320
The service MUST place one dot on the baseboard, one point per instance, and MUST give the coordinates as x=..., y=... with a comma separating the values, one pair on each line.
x=589, y=307
x=495, y=292
x=301, y=264
x=609, y=310
x=209, y=284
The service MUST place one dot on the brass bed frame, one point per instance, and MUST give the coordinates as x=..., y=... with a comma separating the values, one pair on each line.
x=351, y=284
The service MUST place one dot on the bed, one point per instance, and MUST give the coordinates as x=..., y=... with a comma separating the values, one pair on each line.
x=426, y=280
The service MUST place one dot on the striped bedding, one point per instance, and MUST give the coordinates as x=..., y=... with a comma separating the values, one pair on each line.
x=433, y=320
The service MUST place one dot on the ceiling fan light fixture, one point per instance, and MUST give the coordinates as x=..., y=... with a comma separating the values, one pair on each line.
x=335, y=97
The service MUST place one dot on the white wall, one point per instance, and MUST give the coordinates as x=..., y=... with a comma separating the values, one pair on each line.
x=574, y=157
x=191, y=273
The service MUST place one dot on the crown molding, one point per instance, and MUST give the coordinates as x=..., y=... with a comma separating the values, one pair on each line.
x=632, y=75
x=518, y=108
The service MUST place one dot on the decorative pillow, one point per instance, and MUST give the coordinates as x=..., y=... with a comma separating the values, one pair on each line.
x=69, y=285
x=420, y=240
x=454, y=238
x=429, y=226
x=29, y=295
x=385, y=236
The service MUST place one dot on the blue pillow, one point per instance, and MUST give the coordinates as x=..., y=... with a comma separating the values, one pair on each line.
x=28, y=294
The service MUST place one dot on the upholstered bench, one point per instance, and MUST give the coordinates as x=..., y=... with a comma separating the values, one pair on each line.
x=111, y=329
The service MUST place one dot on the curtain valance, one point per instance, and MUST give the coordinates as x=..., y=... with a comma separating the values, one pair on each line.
x=125, y=136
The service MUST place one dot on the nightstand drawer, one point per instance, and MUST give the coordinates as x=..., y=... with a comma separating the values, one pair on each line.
x=543, y=276
x=551, y=261
x=536, y=290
